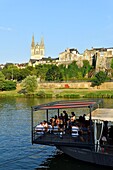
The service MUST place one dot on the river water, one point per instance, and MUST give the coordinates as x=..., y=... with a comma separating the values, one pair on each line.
x=16, y=150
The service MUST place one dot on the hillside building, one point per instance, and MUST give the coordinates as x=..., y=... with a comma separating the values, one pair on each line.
x=99, y=58
x=37, y=51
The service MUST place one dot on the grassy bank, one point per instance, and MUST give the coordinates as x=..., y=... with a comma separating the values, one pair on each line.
x=62, y=93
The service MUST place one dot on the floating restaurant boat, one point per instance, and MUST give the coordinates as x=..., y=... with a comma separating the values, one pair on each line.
x=89, y=139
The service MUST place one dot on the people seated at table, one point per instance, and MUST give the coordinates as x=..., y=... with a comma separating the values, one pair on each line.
x=40, y=128
x=63, y=124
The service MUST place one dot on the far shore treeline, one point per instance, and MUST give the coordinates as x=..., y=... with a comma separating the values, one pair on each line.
x=24, y=82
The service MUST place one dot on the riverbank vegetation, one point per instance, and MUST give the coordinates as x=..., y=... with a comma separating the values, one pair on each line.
x=61, y=93
x=28, y=78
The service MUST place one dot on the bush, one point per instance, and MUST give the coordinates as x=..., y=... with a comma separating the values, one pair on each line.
x=71, y=96
x=59, y=96
x=41, y=94
x=9, y=85
x=48, y=95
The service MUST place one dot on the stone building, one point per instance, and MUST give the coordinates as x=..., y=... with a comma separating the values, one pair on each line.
x=70, y=55
x=99, y=58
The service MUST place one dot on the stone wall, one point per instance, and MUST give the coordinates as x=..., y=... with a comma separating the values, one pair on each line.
x=79, y=85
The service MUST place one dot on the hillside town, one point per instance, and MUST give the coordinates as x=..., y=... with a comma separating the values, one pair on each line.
x=100, y=58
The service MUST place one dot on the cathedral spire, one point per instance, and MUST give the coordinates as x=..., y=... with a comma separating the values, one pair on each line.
x=42, y=42
x=33, y=42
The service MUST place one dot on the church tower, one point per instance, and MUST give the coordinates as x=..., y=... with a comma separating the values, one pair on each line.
x=42, y=49
x=32, y=46
x=37, y=50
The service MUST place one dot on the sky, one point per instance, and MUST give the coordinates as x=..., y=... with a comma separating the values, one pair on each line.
x=63, y=24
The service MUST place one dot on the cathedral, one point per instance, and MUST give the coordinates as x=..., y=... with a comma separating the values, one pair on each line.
x=37, y=50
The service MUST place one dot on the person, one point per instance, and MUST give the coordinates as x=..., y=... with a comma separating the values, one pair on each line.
x=84, y=119
x=65, y=117
x=52, y=121
x=61, y=124
x=55, y=129
x=45, y=125
x=40, y=129
x=75, y=130
x=73, y=118
x=55, y=118
x=81, y=136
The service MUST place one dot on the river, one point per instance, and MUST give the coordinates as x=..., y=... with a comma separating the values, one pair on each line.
x=16, y=150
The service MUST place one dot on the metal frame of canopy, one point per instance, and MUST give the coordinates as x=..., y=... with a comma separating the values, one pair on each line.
x=64, y=104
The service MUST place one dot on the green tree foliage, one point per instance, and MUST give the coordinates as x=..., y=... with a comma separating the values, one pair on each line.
x=99, y=78
x=9, y=85
x=30, y=84
x=2, y=77
x=86, y=67
x=6, y=85
x=54, y=74
x=112, y=63
x=31, y=70
x=2, y=80
x=72, y=70
x=64, y=72
x=41, y=71
x=23, y=73
x=10, y=72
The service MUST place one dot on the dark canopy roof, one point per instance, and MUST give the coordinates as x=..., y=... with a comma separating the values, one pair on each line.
x=65, y=104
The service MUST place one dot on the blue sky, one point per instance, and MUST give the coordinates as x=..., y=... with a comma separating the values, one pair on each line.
x=63, y=24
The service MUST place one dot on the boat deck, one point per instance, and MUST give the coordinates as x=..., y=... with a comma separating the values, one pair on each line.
x=58, y=139
x=67, y=140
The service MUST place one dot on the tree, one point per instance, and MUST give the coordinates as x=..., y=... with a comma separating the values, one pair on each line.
x=63, y=71
x=23, y=73
x=72, y=70
x=2, y=80
x=86, y=67
x=6, y=85
x=9, y=85
x=42, y=70
x=30, y=84
x=54, y=74
x=10, y=72
x=112, y=63
x=99, y=78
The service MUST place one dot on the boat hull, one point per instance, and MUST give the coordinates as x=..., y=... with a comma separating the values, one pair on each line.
x=88, y=155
